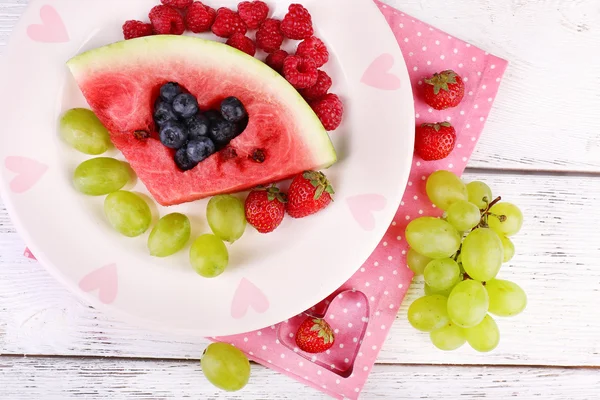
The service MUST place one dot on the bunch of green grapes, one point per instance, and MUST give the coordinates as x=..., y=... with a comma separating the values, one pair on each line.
x=459, y=257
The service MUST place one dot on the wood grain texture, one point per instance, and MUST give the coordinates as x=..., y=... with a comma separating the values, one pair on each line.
x=25, y=378
x=556, y=263
x=550, y=95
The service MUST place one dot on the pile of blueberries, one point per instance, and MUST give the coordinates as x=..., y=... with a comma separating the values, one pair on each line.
x=194, y=134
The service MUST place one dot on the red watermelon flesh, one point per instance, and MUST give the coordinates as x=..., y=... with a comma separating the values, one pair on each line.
x=283, y=138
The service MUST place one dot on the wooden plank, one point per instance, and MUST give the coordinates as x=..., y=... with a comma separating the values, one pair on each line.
x=544, y=115
x=556, y=263
x=27, y=378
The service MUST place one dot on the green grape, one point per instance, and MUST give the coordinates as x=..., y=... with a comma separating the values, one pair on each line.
x=170, y=235
x=433, y=237
x=226, y=217
x=485, y=336
x=416, y=262
x=431, y=291
x=428, y=313
x=128, y=213
x=482, y=254
x=468, y=303
x=513, y=219
x=225, y=366
x=506, y=298
x=444, y=188
x=463, y=215
x=442, y=274
x=509, y=248
x=100, y=176
x=448, y=338
x=83, y=130
x=480, y=194
x=209, y=256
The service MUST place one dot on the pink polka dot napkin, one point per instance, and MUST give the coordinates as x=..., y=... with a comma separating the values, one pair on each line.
x=362, y=311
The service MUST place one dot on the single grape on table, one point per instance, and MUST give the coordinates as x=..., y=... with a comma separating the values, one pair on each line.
x=507, y=299
x=482, y=254
x=433, y=237
x=101, y=176
x=225, y=366
x=505, y=219
x=444, y=188
x=449, y=337
x=468, y=304
x=485, y=336
x=428, y=313
x=226, y=217
x=128, y=213
x=80, y=128
x=170, y=235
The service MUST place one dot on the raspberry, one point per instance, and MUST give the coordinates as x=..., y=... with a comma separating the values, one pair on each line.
x=227, y=23
x=300, y=72
x=275, y=60
x=297, y=24
x=136, y=29
x=330, y=110
x=319, y=89
x=314, y=48
x=177, y=3
x=243, y=43
x=199, y=18
x=269, y=36
x=253, y=13
x=166, y=20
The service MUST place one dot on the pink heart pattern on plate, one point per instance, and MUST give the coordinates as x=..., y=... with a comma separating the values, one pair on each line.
x=104, y=280
x=378, y=74
x=363, y=208
x=51, y=30
x=248, y=295
x=28, y=172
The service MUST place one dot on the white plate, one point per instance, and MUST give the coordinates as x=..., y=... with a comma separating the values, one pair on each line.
x=270, y=278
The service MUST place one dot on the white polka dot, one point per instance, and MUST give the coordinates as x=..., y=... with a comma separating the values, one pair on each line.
x=381, y=278
x=484, y=87
x=336, y=330
x=459, y=145
x=417, y=116
x=374, y=347
x=460, y=65
x=434, y=206
x=296, y=349
x=493, y=66
x=301, y=364
x=476, y=106
x=468, y=45
x=332, y=316
x=272, y=326
x=395, y=272
x=382, y=326
x=251, y=353
x=416, y=197
x=391, y=306
x=430, y=110
x=411, y=54
x=450, y=165
x=405, y=40
x=269, y=361
x=376, y=263
x=464, y=159
x=478, y=73
x=349, y=324
x=473, y=139
x=328, y=352
x=490, y=99
x=282, y=355
x=337, y=381
x=428, y=62
x=377, y=314
x=367, y=284
x=449, y=37
x=448, y=118
x=470, y=93
x=394, y=223
x=423, y=178
x=462, y=113
x=497, y=79
x=424, y=48
x=287, y=370
x=332, y=366
x=365, y=319
x=346, y=360
x=398, y=237
x=474, y=59
x=437, y=42
x=386, y=293
x=419, y=33
x=403, y=252
x=385, y=244
x=357, y=390
x=482, y=119
x=468, y=126
x=418, y=163
x=443, y=57
x=291, y=335
x=362, y=270
x=360, y=354
x=401, y=25
x=407, y=217
x=355, y=340
x=319, y=372
x=455, y=51
x=245, y=339
x=324, y=386
x=466, y=79
x=400, y=286
x=409, y=183
x=341, y=345
x=259, y=333
x=421, y=212
x=372, y=298
x=365, y=368
x=415, y=68
x=264, y=347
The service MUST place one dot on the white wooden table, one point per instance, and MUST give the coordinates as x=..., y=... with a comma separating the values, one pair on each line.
x=540, y=149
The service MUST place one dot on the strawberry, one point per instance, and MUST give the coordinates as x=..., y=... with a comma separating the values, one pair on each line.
x=265, y=208
x=309, y=193
x=435, y=141
x=314, y=336
x=444, y=90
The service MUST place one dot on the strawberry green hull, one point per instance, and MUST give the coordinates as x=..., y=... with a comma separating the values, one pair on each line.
x=283, y=138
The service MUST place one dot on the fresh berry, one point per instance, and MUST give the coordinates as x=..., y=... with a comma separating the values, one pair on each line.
x=243, y=43
x=314, y=336
x=222, y=132
x=435, y=141
x=265, y=208
x=213, y=116
x=233, y=110
x=227, y=23
x=309, y=193
x=185, y=105
x=301, y=72
x=275, y=60
x=197, y=126
x=166, y=20
x=315, y=49
x=182, y=160
x=330, y=111
x=199, y=17
x=163, y=113
x=444, y=90
x=200, y=149
x=253, y=13
x=136, y=29
x=319, y=89
x=169, y=91
x=297, y=23
x=269, y=37
x=181, y=4
x=173, y=135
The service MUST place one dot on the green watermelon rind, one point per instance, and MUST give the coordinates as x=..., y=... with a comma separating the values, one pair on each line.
x=142, y=50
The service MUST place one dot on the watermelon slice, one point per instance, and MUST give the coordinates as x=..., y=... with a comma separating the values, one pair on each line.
x=283, y=138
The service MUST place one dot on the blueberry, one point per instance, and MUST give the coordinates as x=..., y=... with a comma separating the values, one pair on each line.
x=185, y=105
x=183, y=161
x=233, y=110
x=213, y=115
x=200, y=149
x=169, y=91
x=173, y=135
x=197, y=126
x=163, y=112
x=222, y=132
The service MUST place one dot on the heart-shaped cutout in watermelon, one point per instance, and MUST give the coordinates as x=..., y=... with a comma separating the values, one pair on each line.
x=121, y=83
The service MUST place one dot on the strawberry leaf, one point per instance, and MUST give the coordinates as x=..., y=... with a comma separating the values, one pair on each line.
x=319, y=192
